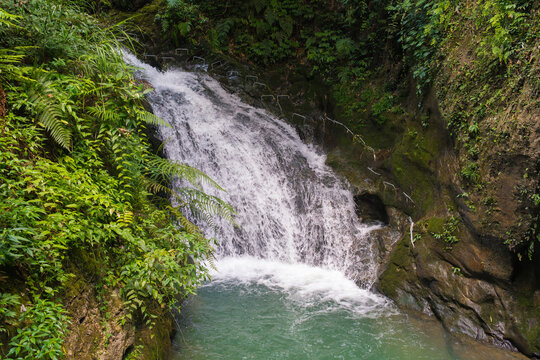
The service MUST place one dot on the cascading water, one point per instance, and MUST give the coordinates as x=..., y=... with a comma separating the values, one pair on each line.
x=291, y=207
x=285, y=284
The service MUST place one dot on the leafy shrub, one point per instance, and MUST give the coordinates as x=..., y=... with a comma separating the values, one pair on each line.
x=471, y=173
x=41, y=332
x=77, y=176
x=505, y=25
x=180, y=19
x=419, y=35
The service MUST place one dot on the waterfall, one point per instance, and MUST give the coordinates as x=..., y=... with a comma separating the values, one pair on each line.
x=290, y=205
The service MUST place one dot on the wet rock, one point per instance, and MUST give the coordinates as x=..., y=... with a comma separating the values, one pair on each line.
x=88, y=336
x=468, y=294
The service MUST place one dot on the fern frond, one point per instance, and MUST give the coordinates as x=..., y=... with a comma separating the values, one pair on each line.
x=7, y=18
x=149, y=118
x=155, y=187
x=10, y=56
x=49, y=112
x=212, y=261
x=169, y=169
x=184, y=222
x=104, y=113
x=204, y=206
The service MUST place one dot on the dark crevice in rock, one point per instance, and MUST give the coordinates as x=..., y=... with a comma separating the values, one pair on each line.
x=370, y=208
x=128, y=351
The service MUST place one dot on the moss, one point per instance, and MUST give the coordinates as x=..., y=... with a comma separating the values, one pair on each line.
x=348, y=164
x=528, y=316
x=413, y=164
x=434, y=225
x=154, y=343
x=397, y=272
x=142, y=21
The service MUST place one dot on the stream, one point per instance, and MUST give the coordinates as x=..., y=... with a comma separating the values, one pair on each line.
x=293, y=280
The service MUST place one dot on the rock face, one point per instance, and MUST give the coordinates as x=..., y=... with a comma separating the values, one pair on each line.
x=100, y=329
x=469, y=288
x=463, y=274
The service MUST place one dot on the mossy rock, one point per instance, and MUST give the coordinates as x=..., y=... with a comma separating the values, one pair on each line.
x=413, y=164
x=154, y=343
x=398, y=271
x=527, y=315
x=434, y=225
x=142, y=21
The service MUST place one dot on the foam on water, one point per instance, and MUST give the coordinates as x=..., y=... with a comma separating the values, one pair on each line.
x=306, y=285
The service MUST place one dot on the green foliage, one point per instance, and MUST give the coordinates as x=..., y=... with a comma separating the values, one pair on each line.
x=505, y=26
x=40, y=333
x=180, y=20
x=449, y=232
x=268, y=32
x=471, y=173
x=419, y=33
x=55, y=29
x=7, y=19
x=8, y=311
x=425, y=26
x=49, y=111
x=77, y=179
x=382, y=107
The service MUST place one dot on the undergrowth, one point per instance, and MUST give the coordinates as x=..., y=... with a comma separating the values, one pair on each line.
x=77, y=176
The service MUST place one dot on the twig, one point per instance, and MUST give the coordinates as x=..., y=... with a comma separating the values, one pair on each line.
x=339, y=123
x=390, y=184
x=216, y=62
x=411, y=231
x=408, y=197
x=267, y=96
x=302, y=116
x=278, y=104
x=373, y=171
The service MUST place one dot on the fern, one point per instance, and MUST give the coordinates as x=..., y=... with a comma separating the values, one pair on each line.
x=223, y=28
x=49, y=112
x=259, y=5
x=149, y=118
x=200, y=205
x=159, y=167
x=155, y=187
x=203, y=206
x=184, y=222
x=10, y=56
x=104, y=112
x=7, y=19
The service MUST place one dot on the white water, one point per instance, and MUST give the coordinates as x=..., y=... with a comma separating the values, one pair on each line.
x=305, y=284
x=298, y=226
